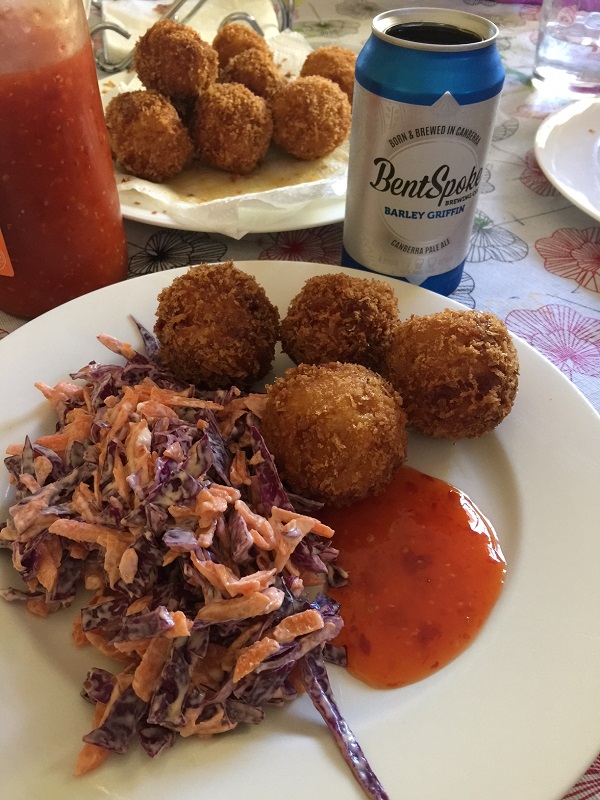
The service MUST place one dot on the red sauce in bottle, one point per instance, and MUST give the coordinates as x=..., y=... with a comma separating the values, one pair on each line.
x=59, y=209
x=425, y=569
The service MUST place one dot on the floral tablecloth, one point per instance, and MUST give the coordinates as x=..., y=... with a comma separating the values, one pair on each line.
x=534, y=258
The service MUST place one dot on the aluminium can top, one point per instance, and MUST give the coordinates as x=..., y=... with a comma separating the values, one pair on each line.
x=461, y=19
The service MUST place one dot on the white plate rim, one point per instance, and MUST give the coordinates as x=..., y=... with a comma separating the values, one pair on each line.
x=314, y=214
x=450, y=720
x=549, y=155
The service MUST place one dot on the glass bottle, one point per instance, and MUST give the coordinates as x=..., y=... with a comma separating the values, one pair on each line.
x=61, y=229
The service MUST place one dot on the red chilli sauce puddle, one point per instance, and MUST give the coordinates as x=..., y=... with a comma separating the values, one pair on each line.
x=425, y=571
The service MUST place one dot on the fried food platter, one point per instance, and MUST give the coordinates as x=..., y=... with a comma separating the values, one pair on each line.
x=524, y=696
x=283, y=193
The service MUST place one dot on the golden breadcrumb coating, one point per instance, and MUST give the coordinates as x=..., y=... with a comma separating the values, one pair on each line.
x=255, y=70
x=174, y=60
x=333, y=62
x=336, y=431
x=232, y=128
x=339, y=317
x=311, y=117
x=146, y=135
x=457, y=372
x=235, y=38
x=216, y=327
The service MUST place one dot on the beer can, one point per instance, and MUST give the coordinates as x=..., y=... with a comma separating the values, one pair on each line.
x=427, y=86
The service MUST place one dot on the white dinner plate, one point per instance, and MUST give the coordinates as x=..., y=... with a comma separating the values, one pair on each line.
x=567, y=148
x=312, y=215
x=515, y=717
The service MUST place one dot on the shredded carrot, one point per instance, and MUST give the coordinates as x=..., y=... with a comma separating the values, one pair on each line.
x=141, y=604
x=297, y=625
x=227, y=582
x=38, y=607
x=253, y=655
x=79, y=637
x=91, y=756
x=218, y=723
x=77, y=429
x=251, y=605
x=182, y=626
x=88, y=532
x=60, y=393
x=43, y=468
x=96, y=639
x=49, y=558
x=128, y=565
x=148, y=670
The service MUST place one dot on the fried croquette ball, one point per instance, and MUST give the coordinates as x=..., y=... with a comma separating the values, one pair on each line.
x=333, y=62
x=232, y=128
x=235, y=38
x=338, y=317
x=255, y=70
x=146, y=135
x=457, y=372
x=311, y=117
x=216, y=327
x=174, y=60
x=336, y=431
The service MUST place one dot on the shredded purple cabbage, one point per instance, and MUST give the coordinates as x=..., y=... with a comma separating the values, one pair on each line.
x=155, y=739
x=269, y=488
x=316, y=682
x=120, y=725
x=98, y=685
x=144, y=625
x=149, y=339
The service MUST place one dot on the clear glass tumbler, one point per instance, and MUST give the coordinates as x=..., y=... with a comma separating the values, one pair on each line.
x=568, y=48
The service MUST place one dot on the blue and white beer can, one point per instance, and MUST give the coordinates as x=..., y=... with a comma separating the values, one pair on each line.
x=427, y=87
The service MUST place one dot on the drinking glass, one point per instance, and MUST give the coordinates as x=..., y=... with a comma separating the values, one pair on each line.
x=568, y=48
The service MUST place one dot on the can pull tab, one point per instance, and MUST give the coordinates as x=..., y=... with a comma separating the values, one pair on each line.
x=6, y=268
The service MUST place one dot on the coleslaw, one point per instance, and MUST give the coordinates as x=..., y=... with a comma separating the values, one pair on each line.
x=165, y=504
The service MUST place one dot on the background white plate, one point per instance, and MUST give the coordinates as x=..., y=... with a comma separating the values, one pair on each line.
x=567, y=148
x=516, y=717
x=313, y=215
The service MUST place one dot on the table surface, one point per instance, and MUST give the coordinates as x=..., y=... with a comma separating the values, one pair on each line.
x=534, y=258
